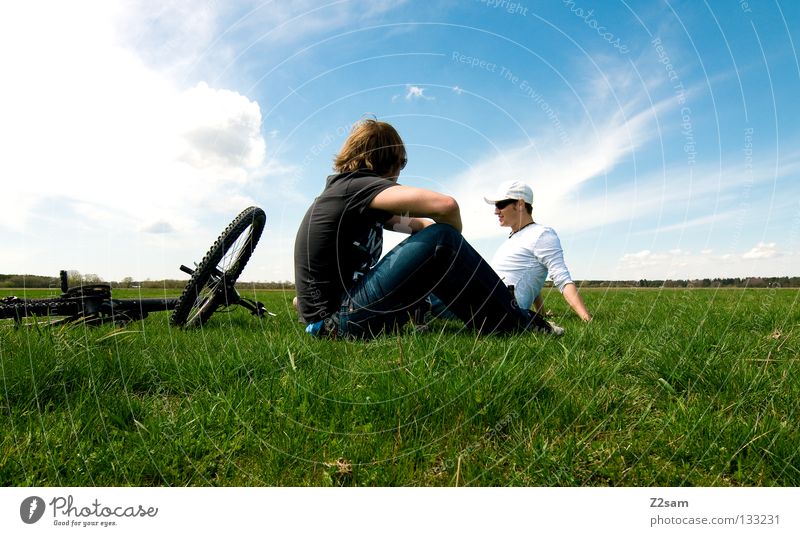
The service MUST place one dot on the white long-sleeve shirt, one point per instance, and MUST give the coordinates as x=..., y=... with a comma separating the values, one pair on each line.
x=525, y=259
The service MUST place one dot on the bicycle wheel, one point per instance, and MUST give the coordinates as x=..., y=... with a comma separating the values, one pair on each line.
x=217, y=272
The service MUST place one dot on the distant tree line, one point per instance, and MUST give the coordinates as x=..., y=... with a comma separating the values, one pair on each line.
x=717, y=282
x=75, y=278
x=28, y=281
x=177, y=283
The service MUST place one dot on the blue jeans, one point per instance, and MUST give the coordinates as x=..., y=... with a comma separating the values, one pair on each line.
x=436, y=260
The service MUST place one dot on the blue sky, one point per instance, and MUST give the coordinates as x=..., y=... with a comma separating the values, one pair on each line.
x=661, y=139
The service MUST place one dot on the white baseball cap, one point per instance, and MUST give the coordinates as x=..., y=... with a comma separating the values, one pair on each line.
x=511, y=190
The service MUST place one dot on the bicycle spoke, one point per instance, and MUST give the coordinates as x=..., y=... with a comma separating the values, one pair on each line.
x=233, y=253
x=205, y=297
x=216, y=274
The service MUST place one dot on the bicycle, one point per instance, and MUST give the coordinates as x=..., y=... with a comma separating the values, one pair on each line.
x=210, y=287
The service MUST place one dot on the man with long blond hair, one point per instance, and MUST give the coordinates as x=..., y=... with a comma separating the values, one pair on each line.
x=342, y=287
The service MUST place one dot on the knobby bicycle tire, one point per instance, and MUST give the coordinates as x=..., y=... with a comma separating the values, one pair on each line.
x=228, y=255
x=28, y=308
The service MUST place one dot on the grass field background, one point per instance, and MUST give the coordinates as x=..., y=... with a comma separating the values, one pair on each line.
x=663, y=388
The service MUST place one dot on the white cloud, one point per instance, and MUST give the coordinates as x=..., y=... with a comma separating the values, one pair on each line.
x=762, y=251
x=219, y=128
x=703, y=221
x=171, y=36
x=187, y=37
x=159, y=227
x=96, y=139
x=416, y=92
x=681, y=264
x=642, y=259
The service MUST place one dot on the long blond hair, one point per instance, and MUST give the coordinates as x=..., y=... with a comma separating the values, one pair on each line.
x=372, y=145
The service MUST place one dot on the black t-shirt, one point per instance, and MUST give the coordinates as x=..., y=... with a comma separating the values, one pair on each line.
x=339, y=239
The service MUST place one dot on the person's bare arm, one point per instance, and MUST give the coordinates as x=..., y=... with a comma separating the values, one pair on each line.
x=419, y=203
x=406, y=224
x=574, y=300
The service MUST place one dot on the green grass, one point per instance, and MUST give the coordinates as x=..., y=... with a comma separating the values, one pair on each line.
x=664, y=388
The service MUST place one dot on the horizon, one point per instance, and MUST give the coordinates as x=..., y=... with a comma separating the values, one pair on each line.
x=588, y=283
x=658, y=139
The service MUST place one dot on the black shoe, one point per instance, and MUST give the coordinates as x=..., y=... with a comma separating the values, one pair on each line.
x=539, y=323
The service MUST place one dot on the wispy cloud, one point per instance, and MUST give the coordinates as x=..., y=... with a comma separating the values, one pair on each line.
x=557, y=172
x=159, y=227
x=416, y=93
x=187, y=37
x=674, y=258
x=612, y=169
x=687, y=224
x=669, y=191
x=762, y=251
x=763, y=259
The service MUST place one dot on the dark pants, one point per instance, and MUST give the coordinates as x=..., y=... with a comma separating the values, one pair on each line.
x=437, y=260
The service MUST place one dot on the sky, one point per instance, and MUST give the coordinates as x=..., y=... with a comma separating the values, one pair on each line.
x=661, y=138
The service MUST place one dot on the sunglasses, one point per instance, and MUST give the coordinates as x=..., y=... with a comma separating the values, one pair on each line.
x=500, y=205
x=403, y=163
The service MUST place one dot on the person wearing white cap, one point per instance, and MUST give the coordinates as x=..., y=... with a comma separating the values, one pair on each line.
x=531, y=251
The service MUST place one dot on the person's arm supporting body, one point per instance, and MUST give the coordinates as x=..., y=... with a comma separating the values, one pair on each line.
x=549, y=250
x=573, y=298
x=418, y=203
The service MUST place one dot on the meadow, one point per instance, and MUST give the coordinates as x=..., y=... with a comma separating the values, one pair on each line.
x=664, y=388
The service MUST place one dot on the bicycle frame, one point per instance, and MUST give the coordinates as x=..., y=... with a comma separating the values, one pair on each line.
x=208, y=290
x=93, y=304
